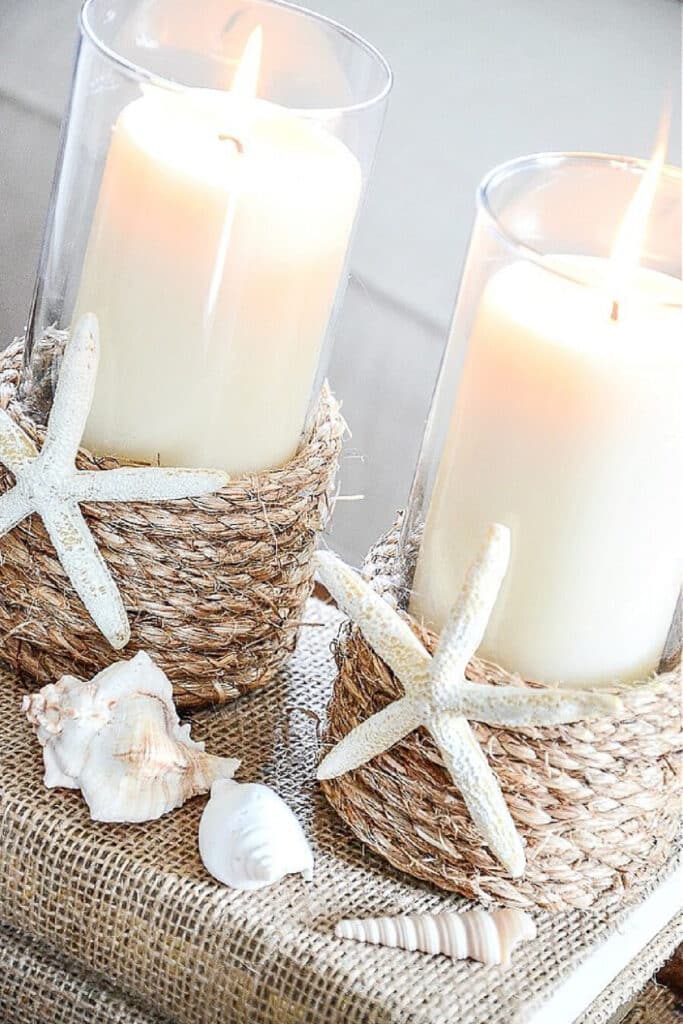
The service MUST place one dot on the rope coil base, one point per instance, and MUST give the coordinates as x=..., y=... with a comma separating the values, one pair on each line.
x=214, y=587
x=596, y=803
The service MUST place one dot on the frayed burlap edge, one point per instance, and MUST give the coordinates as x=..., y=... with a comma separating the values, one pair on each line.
x=214, y=587
x=597, y=803
x=614, y=1002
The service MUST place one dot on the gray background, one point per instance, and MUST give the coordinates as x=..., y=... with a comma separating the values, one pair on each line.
x=477, y=82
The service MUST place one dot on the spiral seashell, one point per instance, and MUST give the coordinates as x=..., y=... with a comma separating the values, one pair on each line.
x=119, y=740
x=249, y=838
x=489, y=937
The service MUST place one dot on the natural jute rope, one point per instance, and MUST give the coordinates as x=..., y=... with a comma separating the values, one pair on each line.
x=598, y=804
x=214, y=587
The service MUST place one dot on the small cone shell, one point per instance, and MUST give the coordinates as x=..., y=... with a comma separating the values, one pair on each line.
x=489, y=937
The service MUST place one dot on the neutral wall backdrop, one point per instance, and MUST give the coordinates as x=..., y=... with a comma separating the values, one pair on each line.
x=476, y=82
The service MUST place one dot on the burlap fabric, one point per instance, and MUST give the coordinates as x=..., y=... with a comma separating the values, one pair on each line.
x=134, y=904
x=655, y=1005
x=214, y=587
x=39, y=987
x=597, y=803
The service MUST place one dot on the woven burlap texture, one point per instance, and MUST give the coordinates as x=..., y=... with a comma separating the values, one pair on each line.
x=654, y=1005
x=39, y=987
x=214, y=586
x=134, y=904
x=597, y=803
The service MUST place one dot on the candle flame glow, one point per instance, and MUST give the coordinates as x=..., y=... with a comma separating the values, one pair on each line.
x=245, y=82
x=630, y=238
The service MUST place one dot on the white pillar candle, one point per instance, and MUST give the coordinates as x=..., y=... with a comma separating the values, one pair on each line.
x=567, y=428
x=217, y=247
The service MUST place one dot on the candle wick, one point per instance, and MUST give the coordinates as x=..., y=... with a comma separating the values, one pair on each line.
x=235, y=141
x=614, y=315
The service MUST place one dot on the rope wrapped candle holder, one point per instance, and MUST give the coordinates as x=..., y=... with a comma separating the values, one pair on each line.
x=201, y=213
x=596, y=803
x=214, y=586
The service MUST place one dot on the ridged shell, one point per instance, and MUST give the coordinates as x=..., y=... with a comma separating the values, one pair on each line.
x=249, y=838
x=489, y=937
x=119, y=740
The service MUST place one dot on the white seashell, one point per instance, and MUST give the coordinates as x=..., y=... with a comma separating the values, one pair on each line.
x=249, y=838
x=118, y=739
x=489, y=937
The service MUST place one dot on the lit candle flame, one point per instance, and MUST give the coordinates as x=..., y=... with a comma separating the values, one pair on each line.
x=628, y=244
x=245, y=82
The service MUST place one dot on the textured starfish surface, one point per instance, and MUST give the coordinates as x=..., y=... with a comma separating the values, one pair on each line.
x=439, y=697
x=48, y=483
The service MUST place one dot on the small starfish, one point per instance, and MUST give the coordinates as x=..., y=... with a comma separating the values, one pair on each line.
x=49, y=484
x=438, y=695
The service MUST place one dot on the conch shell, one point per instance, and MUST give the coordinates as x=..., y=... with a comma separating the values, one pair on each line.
x=489, y=937
x=118, y=739
x=249, y=838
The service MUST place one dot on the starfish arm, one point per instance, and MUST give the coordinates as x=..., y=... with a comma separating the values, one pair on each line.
x=14, y=506
x=464, y=630
x=522, y=706
x=388, y=634
x=74, y=393
x=16, y=448
x=479, y=787
x=147, y=484
x=372, y=737
x=85, y=567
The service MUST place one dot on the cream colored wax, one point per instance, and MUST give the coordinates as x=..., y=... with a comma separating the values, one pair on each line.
x=567, y=428
x=218, y=243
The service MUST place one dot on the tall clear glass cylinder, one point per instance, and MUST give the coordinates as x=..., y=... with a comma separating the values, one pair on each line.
x=558, y=413
x=213, y=161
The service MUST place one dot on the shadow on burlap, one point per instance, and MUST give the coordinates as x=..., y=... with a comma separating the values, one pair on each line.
x=134, y=904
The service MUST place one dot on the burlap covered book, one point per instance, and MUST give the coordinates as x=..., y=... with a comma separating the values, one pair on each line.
x=38, y=986
x=133, y=907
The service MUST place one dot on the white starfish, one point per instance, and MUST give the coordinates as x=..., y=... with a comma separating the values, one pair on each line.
x=439, y=697
x=49, y=484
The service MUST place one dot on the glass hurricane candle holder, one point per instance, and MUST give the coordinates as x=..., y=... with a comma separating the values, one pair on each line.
x=558, y=413
x=213, y=161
